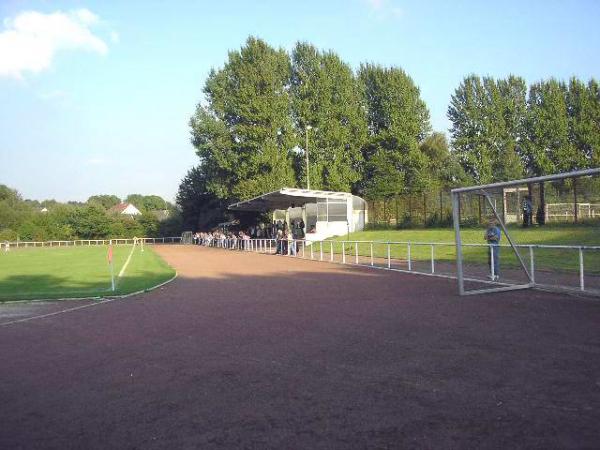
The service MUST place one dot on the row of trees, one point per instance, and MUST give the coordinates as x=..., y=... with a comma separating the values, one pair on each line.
x=502, y=130
x=25, y=220
x=368, y=132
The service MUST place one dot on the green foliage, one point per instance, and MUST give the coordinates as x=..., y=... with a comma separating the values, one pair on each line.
x=501, y=133
x=106, y=201
x=443, y=165
x=24, y=219
x=200, y=208
x=325, y=96
x=244, y=136
x=397, y=121
x=147, y=202
x=91, y=222
x=488, y=119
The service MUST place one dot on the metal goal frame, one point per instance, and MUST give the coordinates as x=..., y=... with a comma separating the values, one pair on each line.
x=482, y=190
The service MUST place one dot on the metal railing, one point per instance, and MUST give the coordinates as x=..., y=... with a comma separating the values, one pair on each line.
x=9, y=245
x=400, y=256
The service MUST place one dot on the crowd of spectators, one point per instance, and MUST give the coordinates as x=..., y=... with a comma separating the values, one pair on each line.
x=284, y=235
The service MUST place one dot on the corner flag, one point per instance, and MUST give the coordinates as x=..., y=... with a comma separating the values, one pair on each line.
x=110, y=263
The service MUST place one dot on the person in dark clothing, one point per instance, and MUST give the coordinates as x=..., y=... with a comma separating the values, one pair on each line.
x=527, y=211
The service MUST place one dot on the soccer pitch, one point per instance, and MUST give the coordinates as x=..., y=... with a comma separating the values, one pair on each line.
x=70, y=272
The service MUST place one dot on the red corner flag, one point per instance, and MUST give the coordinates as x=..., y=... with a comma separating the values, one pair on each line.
x=110, y=254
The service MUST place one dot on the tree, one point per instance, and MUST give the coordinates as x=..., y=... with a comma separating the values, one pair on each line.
x=106, y=201
x=583, y=110
x=200, y=208
x=488, y=119
x=548, y=148
x=325, y=97
x=91, y=222
x=147, y=202
x=244, y=135
x=397, y=121
x=443, y=165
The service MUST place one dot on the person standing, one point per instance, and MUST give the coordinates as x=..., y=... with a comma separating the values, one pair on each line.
x=527, y=211
x=492, y=236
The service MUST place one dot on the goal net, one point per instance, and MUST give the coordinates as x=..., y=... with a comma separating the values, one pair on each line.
x=536, y=232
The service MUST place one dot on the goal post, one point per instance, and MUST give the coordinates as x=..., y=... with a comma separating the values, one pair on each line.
x=506, y=239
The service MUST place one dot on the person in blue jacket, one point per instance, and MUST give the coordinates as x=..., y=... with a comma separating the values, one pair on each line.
x=492, y=236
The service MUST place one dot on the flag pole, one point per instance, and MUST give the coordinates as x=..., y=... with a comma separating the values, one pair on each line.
x=110, y=262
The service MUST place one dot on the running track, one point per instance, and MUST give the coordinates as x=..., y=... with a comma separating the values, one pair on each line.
x=256, y=351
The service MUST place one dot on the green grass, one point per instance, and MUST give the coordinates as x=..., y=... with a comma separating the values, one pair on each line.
x=77, y=272
x=545, y=259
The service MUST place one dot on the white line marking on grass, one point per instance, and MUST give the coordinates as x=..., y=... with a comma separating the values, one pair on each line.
x=122, y=272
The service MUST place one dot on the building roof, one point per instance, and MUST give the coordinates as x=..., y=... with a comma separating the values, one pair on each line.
x=121, y=207
x=286, y=197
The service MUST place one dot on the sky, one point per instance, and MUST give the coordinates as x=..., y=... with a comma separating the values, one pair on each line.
x=95, y=96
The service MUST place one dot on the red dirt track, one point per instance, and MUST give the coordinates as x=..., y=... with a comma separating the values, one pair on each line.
x=257, y=351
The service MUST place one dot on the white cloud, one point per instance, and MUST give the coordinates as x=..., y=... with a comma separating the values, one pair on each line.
x=31, y=40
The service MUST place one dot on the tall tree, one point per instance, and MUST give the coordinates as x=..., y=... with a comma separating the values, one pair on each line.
x=548, y=148
x=326, y=99
x=244, y=132
x=583, y=110
x=397, y=120
x=488, y=118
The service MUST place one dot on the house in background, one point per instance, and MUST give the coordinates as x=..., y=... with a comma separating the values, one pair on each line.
x=125, y=208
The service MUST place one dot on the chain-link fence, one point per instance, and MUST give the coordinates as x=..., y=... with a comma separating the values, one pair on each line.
x=433, y=208
x=563, y=202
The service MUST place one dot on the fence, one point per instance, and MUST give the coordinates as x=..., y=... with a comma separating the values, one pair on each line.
x=86, y=242
x=561, y=203
x=578, y=269
x=428, y=208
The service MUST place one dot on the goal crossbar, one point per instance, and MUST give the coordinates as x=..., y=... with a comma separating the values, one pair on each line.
x=559, y=176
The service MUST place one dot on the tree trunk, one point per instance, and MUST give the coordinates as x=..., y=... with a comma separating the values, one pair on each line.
x=541, y=216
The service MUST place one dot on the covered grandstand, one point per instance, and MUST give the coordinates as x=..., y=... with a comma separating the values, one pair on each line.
x=324, y=213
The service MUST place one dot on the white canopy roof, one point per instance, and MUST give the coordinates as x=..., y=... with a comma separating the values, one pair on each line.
x=286, y=197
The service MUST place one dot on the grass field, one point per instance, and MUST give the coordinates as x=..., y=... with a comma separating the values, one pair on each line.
x=545, y=258
x=77, y=272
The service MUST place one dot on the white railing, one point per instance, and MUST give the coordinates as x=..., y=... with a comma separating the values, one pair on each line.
x=362, y=253
x=9, y=245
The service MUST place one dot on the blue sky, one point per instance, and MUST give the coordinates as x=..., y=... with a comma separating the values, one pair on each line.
x=100, y=102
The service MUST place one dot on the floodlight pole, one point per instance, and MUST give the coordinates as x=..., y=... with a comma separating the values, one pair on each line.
x=308, y=127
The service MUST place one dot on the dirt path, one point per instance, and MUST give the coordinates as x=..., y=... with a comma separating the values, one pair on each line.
x=258, y=351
